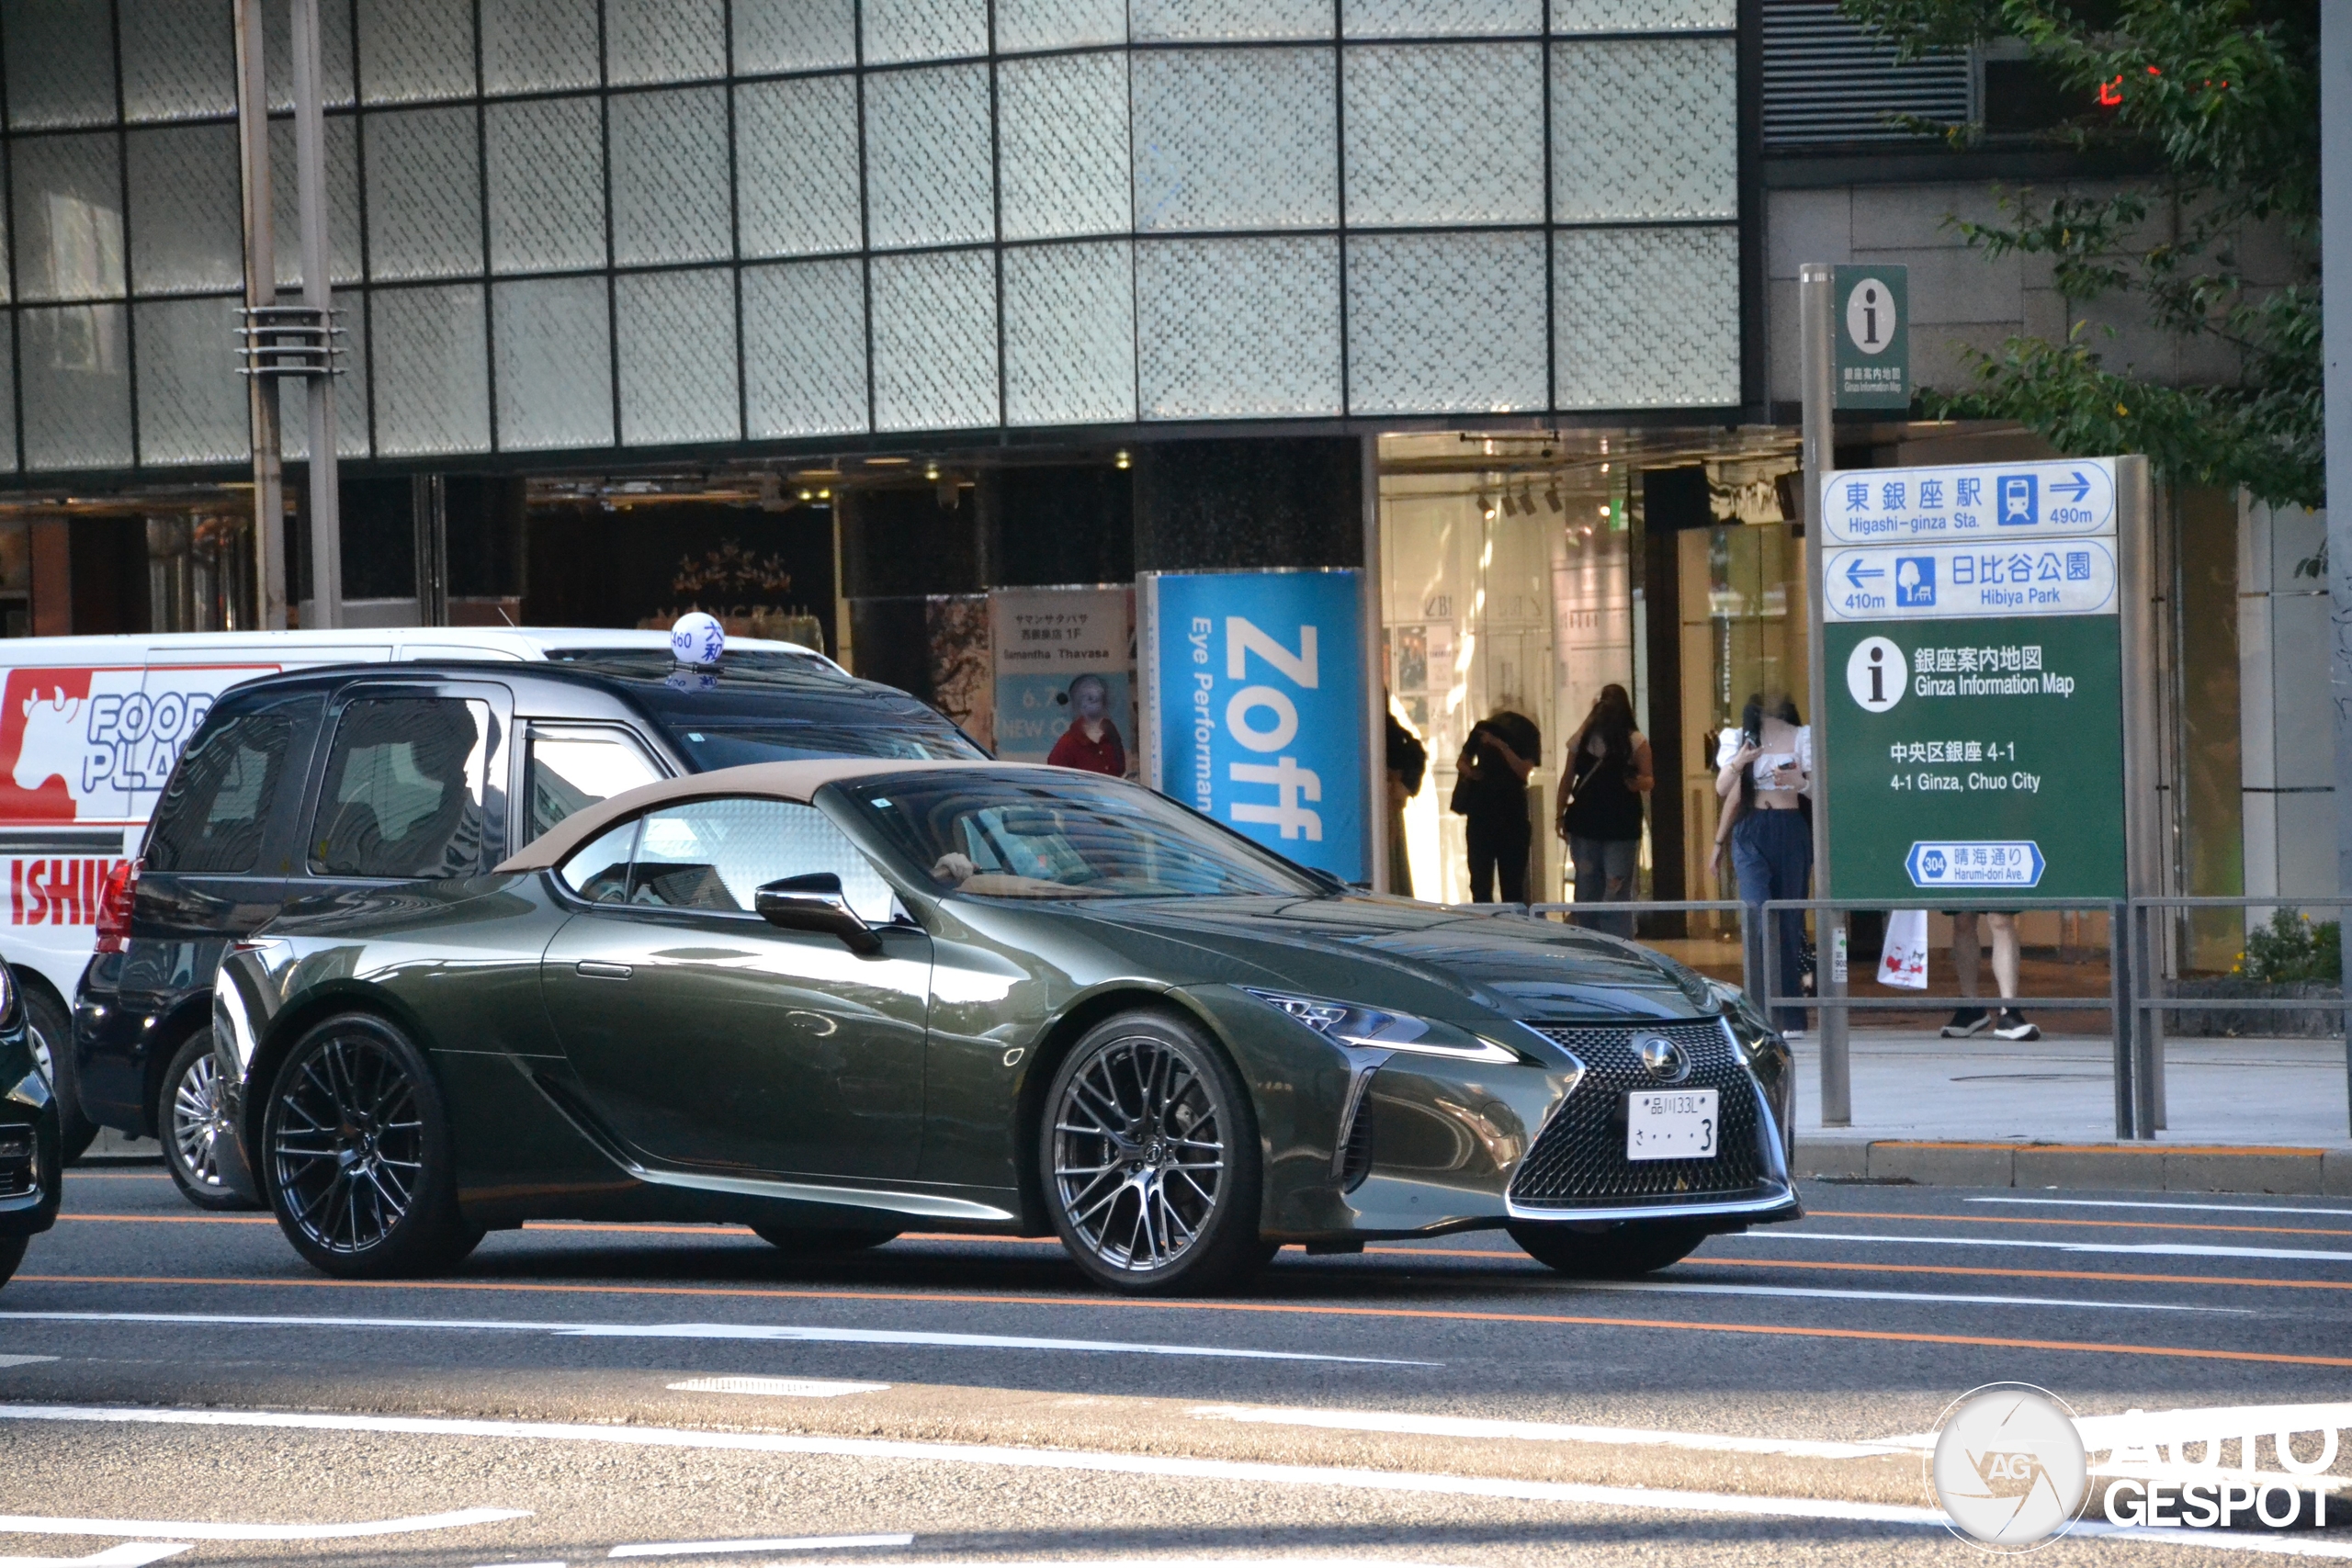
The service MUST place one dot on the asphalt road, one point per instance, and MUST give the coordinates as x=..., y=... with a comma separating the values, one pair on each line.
x=173, y=1378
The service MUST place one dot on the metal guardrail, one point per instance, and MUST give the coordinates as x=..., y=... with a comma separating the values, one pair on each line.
x=2135, y=1008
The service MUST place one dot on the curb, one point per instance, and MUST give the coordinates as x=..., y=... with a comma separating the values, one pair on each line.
x=2132, y=1167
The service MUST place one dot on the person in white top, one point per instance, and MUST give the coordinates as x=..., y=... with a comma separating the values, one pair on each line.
x=1764, y=769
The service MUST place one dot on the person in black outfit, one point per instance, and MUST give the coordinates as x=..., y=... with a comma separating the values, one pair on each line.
x=1407, y=762
x=1490, y=789
x=1607, y=773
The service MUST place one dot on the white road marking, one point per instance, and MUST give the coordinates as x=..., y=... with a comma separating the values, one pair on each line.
x=38, y=1524
x=2128, y=1203
x=131, y=1554
x=703, y=1331
x=781, y=1388
x=1693, y=1288
x=784, y=1543
x=2145, y=1249
x=22, y=1362
x=1540, y=1431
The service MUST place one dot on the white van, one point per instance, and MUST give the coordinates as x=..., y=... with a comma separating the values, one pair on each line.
x=90, y=727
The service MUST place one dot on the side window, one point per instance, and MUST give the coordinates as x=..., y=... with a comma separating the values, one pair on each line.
x=404, y=792
x=598, y=870
x=214, y=811
x=572, y=768
x=716, y=855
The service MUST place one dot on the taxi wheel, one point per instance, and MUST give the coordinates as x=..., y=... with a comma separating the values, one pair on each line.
x=790, y=1238
x=12, y=1252
x=192, y=1115
x=1621, y=1252
x=357, y=1155
x=1150, y=1158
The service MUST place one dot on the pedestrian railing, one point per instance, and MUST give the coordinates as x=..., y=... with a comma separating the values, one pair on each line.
x=2135, y=1000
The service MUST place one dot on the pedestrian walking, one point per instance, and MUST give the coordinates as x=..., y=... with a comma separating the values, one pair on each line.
x=1603, y=779
x=1490, y=789
x=1764, y=770
x=1967, y=953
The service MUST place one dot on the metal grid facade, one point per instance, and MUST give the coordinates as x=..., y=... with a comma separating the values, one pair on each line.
x=574, y=225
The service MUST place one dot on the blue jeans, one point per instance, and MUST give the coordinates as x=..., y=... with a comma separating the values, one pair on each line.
x=1599, y=863
x=1772, y=853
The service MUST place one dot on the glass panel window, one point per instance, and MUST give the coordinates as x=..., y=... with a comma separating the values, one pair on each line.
x=573, y=768
x=184, y=200
x=404, y=791
x=1235, y=139
x=899, y=30
x=1062, y=125
x=1446, y=323
x=555, y=365
x=350, y=393
x=76, y=400
x=1645, y=128
x=431, y=371
x=192, y=405
x=794, y=35
x=797, y=166
x=930, y=175
x=677, y=353
x=424, y=193
x=934, y=340
x=217, y=807
x=1158, y=20
x=546, y=185
x=1439, y=18
x=664, y=40
x=343, y=203
x=1413, y=155
x=715, y=855
x=1069, y=333
x=68, y=218
x=670, y=198
x=179, y=59
x=1646, y=318
x=1239, y=329
x=598, y=870
x=803, y=349
x=60, y=62
x=412, y=50
x=334, y=55
x=1641, y=15
x=8, y=434
x=538, y=46
x=1058, y=24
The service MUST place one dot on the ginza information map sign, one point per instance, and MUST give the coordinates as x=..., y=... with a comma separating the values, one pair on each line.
x=1974, y=663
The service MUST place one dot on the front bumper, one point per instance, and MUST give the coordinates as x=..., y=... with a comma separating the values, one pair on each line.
x=31, y=1154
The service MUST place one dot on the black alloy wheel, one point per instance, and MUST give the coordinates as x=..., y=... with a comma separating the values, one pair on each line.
x=1150, y=1158
x=357, y=1155
x=1621, y=1252
x=791, y=1238
x=51, y=1028
x=192, y=1115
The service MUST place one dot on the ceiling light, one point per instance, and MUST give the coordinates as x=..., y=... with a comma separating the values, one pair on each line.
x=930, y=472
x=1121, y=460
x=807, y=495
x=1551, y=495
x=1511, y=507
x=885, y=462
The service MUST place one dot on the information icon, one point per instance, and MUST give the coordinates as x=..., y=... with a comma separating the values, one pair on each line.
x=1876, y=672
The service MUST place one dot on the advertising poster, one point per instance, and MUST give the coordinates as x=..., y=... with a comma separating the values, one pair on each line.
x=1058, y=652
x=1256, y=700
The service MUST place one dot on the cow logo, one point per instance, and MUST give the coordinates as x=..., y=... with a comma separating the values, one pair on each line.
x=2009, y=1467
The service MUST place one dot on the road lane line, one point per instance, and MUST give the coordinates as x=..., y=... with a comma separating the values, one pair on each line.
x=1274, y=1309
x=2193, y=1208
x=1652, y=1499
x=781, y=1331
x=779, y=1388
x=774, y=1543
x=2038, y=1220
x=38, y=1524
x=2100, y=1275
x=129, y=1554
x=1703, y=1288
x=2132, y=1248
x=1411, y=1425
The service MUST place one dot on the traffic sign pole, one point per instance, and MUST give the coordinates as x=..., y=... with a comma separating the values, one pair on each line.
x=1817, y=288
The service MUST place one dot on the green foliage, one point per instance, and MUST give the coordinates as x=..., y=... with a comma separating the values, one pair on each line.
x=2293, y=947
x=2224, y=95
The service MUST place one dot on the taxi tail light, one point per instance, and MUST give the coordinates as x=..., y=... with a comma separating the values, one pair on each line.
x=115, y=899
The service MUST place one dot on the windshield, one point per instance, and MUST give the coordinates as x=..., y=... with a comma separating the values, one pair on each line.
x=730, y=747
x=1066, y=835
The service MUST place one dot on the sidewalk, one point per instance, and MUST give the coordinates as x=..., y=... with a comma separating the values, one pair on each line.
x=2245, y=1115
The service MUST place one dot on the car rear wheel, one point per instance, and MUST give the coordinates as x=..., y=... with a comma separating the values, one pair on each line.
x=357, y=1154
x=1621, y=1252
x=193, y=1115
x=12, y=1252
x=789, y=1238
x=1149, y=1157
x=51, y=1028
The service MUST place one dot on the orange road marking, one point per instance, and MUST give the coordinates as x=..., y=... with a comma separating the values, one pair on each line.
x=1270, y=1309
x=2028, y=1220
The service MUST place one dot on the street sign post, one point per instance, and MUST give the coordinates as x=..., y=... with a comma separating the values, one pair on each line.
x=1871, y=310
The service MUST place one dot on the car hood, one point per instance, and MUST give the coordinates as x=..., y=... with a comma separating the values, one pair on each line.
x=1393, y=952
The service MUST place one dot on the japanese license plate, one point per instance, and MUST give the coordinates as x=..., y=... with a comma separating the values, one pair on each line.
x=1670, y=1123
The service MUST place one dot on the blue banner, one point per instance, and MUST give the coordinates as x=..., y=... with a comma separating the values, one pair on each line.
x=1258, y=705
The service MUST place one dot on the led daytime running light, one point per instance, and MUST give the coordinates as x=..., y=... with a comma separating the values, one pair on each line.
x=1374, y=1029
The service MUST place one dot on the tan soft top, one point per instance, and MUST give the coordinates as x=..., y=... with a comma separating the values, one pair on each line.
x=775, y=781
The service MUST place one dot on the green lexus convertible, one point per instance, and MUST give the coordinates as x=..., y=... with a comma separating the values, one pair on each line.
x=836, y=1000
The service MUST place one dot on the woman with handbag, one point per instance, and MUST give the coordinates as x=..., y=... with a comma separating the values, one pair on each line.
x=1764, y=770
x=1602, y=780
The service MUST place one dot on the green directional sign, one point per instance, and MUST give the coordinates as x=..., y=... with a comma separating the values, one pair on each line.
x=1870, y=325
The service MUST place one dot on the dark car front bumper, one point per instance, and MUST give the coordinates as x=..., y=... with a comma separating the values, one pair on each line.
x=31, y=1157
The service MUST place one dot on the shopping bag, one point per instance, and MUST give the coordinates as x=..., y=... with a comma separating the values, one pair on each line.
x=1904, y=960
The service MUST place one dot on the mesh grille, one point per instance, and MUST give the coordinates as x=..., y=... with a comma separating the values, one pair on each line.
x=1581, y=1156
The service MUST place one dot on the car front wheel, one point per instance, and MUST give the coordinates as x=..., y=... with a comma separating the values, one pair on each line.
x=1620, y=1252
x=193, y=1114
x=357, y=1154
x=1149, y=1156
x=51, y=1028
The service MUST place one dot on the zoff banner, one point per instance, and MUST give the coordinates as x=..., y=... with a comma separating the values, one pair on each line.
x=1255, y=697
x=1045, y=638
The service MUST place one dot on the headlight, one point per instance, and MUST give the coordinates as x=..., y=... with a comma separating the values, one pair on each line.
x=7, y=991
x=1374, y=1029
x=1748, y=1025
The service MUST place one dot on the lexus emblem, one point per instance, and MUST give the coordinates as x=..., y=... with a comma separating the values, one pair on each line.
x=1667, y=1062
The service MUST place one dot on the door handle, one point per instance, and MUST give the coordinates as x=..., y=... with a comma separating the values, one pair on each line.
x=595, y=969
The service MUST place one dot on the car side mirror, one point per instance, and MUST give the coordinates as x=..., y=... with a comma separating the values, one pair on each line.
x=815, y=903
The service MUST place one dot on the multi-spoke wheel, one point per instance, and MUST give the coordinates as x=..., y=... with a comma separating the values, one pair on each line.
x=192, y=1112
x=1151, y=1158
x=355, y=1154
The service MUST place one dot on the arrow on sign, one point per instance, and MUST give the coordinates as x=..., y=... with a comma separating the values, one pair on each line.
x=1856, y=571
x=2074, y=489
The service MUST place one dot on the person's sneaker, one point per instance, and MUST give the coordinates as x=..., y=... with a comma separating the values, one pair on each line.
x=1968, y=1022
x=2012, y=1025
